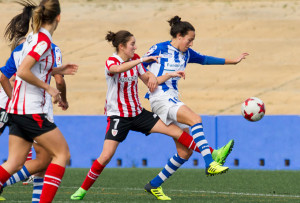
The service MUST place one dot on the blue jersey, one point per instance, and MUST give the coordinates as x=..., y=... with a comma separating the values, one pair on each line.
x=172, y=60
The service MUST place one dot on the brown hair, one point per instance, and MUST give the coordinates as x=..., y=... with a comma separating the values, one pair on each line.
x=46, y=12
x=178, y=26
x=121, y=37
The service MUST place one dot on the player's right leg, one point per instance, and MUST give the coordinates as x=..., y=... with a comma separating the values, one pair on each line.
x=109, y=149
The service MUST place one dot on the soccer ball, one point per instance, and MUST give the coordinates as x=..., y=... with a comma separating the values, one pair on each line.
x=253, y=109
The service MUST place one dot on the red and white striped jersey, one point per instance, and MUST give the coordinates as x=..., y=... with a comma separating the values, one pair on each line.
x=122, y=97
x=27, y=98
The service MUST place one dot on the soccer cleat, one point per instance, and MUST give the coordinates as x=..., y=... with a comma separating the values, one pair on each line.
x=2, y=198
x=220, y=155
x=79, y=194
x=156, y=191
x=28, y=180
x=215, y=168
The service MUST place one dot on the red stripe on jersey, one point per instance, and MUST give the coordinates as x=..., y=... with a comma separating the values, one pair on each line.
x=24, y=101
x=132, y=91
x=137, y=98
x=119, y=100
x=16, y=99
x=38, y=119
x=6, y=106
x=126, y=98
x=108, y=124
x=133, y=97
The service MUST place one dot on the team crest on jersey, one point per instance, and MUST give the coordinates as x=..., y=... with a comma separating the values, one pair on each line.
x=114, y=132
x=41, y=48
x=151, y=50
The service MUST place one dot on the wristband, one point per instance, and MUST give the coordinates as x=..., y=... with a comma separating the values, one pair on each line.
x=141, y=59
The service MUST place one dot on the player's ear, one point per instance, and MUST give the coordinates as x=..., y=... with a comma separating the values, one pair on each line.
x=58, y=18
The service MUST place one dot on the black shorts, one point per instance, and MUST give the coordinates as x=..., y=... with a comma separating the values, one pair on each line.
x=29, y=126
x=118, y=127
x=3, y=120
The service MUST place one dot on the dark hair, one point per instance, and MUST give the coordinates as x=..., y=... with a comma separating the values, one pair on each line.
x=46, y=12
x=179, y=27
x=121, y=37
x=19, y=25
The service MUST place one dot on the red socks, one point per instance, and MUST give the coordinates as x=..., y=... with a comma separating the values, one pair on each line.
x=4, y=176
x=52, y=180
x=188, y=141
x=92, y=175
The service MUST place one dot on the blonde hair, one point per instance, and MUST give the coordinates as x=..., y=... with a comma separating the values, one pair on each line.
x=46, y=12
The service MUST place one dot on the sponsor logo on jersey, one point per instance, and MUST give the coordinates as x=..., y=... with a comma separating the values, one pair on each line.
x=41, y=47
x=151, y=50
x=58, y=57
x=128, y=79
x=114, y=132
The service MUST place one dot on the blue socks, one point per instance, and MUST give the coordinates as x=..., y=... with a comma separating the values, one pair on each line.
x=17, y=177
x=201, y=142
x=173, y=164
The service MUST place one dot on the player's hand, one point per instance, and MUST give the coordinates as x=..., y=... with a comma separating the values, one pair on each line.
x=68, y=69
x=175, y=74
x=64, y=105
x=55, y=93
x=151, y=58
x=241, y=57
x=152, y=82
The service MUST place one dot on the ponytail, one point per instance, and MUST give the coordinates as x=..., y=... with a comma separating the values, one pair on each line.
x=19, y=25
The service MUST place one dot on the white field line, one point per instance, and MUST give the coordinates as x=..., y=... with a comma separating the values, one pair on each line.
x=192, y=191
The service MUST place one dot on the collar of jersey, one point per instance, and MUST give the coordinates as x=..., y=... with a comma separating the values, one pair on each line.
x=46, y=32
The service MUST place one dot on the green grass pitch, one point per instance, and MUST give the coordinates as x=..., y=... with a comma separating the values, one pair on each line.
x=186, y=185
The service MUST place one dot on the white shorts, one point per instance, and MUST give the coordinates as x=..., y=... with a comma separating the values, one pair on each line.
x=166, y=107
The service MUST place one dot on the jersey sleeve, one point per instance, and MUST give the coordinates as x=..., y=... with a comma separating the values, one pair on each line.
x=153, y=51
x=195, y=57
x=57, y=57
x=109, y=63
x=42, y=45
x=10, y=67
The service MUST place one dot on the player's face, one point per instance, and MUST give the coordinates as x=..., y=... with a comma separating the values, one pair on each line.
x=130, y=47
x=186, y=41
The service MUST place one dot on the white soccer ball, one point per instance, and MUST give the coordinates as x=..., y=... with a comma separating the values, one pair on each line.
x=253, y=109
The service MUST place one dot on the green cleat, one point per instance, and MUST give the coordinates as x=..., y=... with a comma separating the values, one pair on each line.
x=79, y=194
x=2, y=198
x=156, y=191
x=215, y=168
x=220, y=155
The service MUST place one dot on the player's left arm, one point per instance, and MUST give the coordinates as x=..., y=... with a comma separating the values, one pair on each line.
x=68, y=69
x=62, y=87
x=237, y=60
x=167, y=76
x=195, y=57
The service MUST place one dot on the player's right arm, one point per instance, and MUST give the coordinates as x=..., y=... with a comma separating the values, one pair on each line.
x=114, y=69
